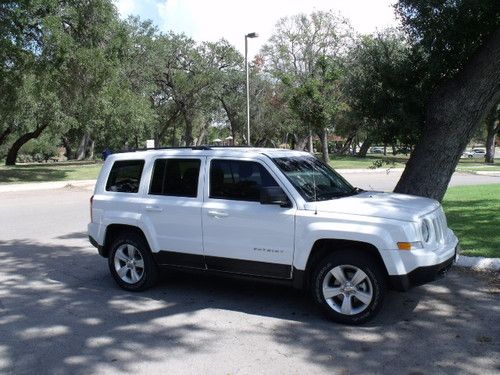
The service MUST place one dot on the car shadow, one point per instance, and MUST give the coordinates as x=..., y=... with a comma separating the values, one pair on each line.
x=60, y=305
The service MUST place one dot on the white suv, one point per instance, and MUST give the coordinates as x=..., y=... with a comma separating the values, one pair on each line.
x=274, y=214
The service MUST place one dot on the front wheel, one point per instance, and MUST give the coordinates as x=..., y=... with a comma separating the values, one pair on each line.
x=349, y=287
x=131, y=263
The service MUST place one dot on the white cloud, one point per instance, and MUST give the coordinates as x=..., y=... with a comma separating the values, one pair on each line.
x=126, y=7
x=232, y=19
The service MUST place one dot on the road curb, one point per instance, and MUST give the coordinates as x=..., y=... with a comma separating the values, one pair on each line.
x=479, y=263
x=47, y=185
x=489, y=173
x=376, y=170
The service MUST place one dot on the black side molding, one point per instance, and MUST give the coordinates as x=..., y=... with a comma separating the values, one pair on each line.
x=172, y=258
x=248, y=267
x=230, y=265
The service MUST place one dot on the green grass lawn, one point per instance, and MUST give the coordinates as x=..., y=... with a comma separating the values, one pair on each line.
x=49, y=172
x=370, y=161
x=474, y=165
x=473, y=212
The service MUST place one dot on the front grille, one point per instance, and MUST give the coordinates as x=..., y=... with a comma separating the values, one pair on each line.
x=438, y=220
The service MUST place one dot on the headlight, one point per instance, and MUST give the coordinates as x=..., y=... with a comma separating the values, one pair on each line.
x=426, y=231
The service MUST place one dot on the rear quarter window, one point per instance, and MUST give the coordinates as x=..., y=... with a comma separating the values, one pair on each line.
x=125, y=176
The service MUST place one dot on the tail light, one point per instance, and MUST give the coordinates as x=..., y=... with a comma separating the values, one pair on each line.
x=91, y=202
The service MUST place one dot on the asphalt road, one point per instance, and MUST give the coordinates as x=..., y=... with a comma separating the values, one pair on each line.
x=61, y=313
x=386, y=181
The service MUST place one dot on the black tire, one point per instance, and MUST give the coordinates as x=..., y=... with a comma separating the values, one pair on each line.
x=150, y=272
x=374, y=284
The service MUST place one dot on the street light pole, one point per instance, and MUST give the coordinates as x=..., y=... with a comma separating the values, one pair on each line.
x=250, y=35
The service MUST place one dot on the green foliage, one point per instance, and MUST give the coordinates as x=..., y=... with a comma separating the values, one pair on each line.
x=39, y=150
x=78, y=75
x=447, y=32
x=306, y=55
x=382, y=89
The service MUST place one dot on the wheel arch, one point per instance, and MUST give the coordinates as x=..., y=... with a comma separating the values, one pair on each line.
x=326, y=246
x=114, y=230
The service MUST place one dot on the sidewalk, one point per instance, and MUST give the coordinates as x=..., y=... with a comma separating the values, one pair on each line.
x=5, y=188
x=479, y=263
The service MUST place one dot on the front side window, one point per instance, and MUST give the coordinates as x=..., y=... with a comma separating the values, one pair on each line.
x=313, y=179
x=175, y=177
x=238, y=180
x=125, y=176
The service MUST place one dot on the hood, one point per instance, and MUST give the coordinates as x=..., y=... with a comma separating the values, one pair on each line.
x=378, y=204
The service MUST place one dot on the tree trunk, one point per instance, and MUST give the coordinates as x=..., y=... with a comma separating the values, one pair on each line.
x=14, y=149
x=453, y=113
x=490, y=147
x=310, y=141
x=5, y=134
x=157, y=138
x=324, y=145
x=363, y=150
x=347, y=144
x=82, y=147
x=233, y=120
x=493, y=128
x=300, y=144
x=90, y=149
x=67, y=146
x=188, y=130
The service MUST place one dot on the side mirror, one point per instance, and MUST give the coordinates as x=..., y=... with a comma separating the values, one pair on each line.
x=274, y=195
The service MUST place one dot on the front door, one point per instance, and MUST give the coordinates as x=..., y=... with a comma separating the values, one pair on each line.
x=240, y=234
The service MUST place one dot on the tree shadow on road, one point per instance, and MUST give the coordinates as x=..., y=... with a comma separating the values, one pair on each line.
x=60, y=312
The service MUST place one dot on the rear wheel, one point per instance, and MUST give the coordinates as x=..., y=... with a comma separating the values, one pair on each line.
x=131, y=263
x=349, y=286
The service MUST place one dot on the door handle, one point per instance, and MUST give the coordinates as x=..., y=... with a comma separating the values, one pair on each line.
x=154, y=209
x=218, y=214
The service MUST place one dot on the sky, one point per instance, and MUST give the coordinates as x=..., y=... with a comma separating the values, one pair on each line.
x=211, y=20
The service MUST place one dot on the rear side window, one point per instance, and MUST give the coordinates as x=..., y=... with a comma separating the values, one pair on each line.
x=125, y=176
x=238, y=180
x=175, y=177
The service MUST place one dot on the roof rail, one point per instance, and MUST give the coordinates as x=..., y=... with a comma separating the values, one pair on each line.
x=166, y=148
x=202, y=147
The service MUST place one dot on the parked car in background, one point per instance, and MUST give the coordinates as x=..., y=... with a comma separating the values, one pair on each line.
x=377, y=150
x=403, y=150
x=474, y=153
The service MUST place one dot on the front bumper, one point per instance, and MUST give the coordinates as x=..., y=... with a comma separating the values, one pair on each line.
x=422, y=275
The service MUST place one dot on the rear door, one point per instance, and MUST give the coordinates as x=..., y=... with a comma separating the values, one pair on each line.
x=240, y=234
x=172, y=209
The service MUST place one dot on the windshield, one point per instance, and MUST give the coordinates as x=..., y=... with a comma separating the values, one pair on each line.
x=313, y=179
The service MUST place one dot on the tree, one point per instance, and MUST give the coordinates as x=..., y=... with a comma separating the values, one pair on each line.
x=41, y=109
x=301, y=49
x=73, y=49
x=382, y=86
x=462, y=42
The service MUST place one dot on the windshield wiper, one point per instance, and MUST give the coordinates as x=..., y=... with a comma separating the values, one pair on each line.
x=357, y=190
